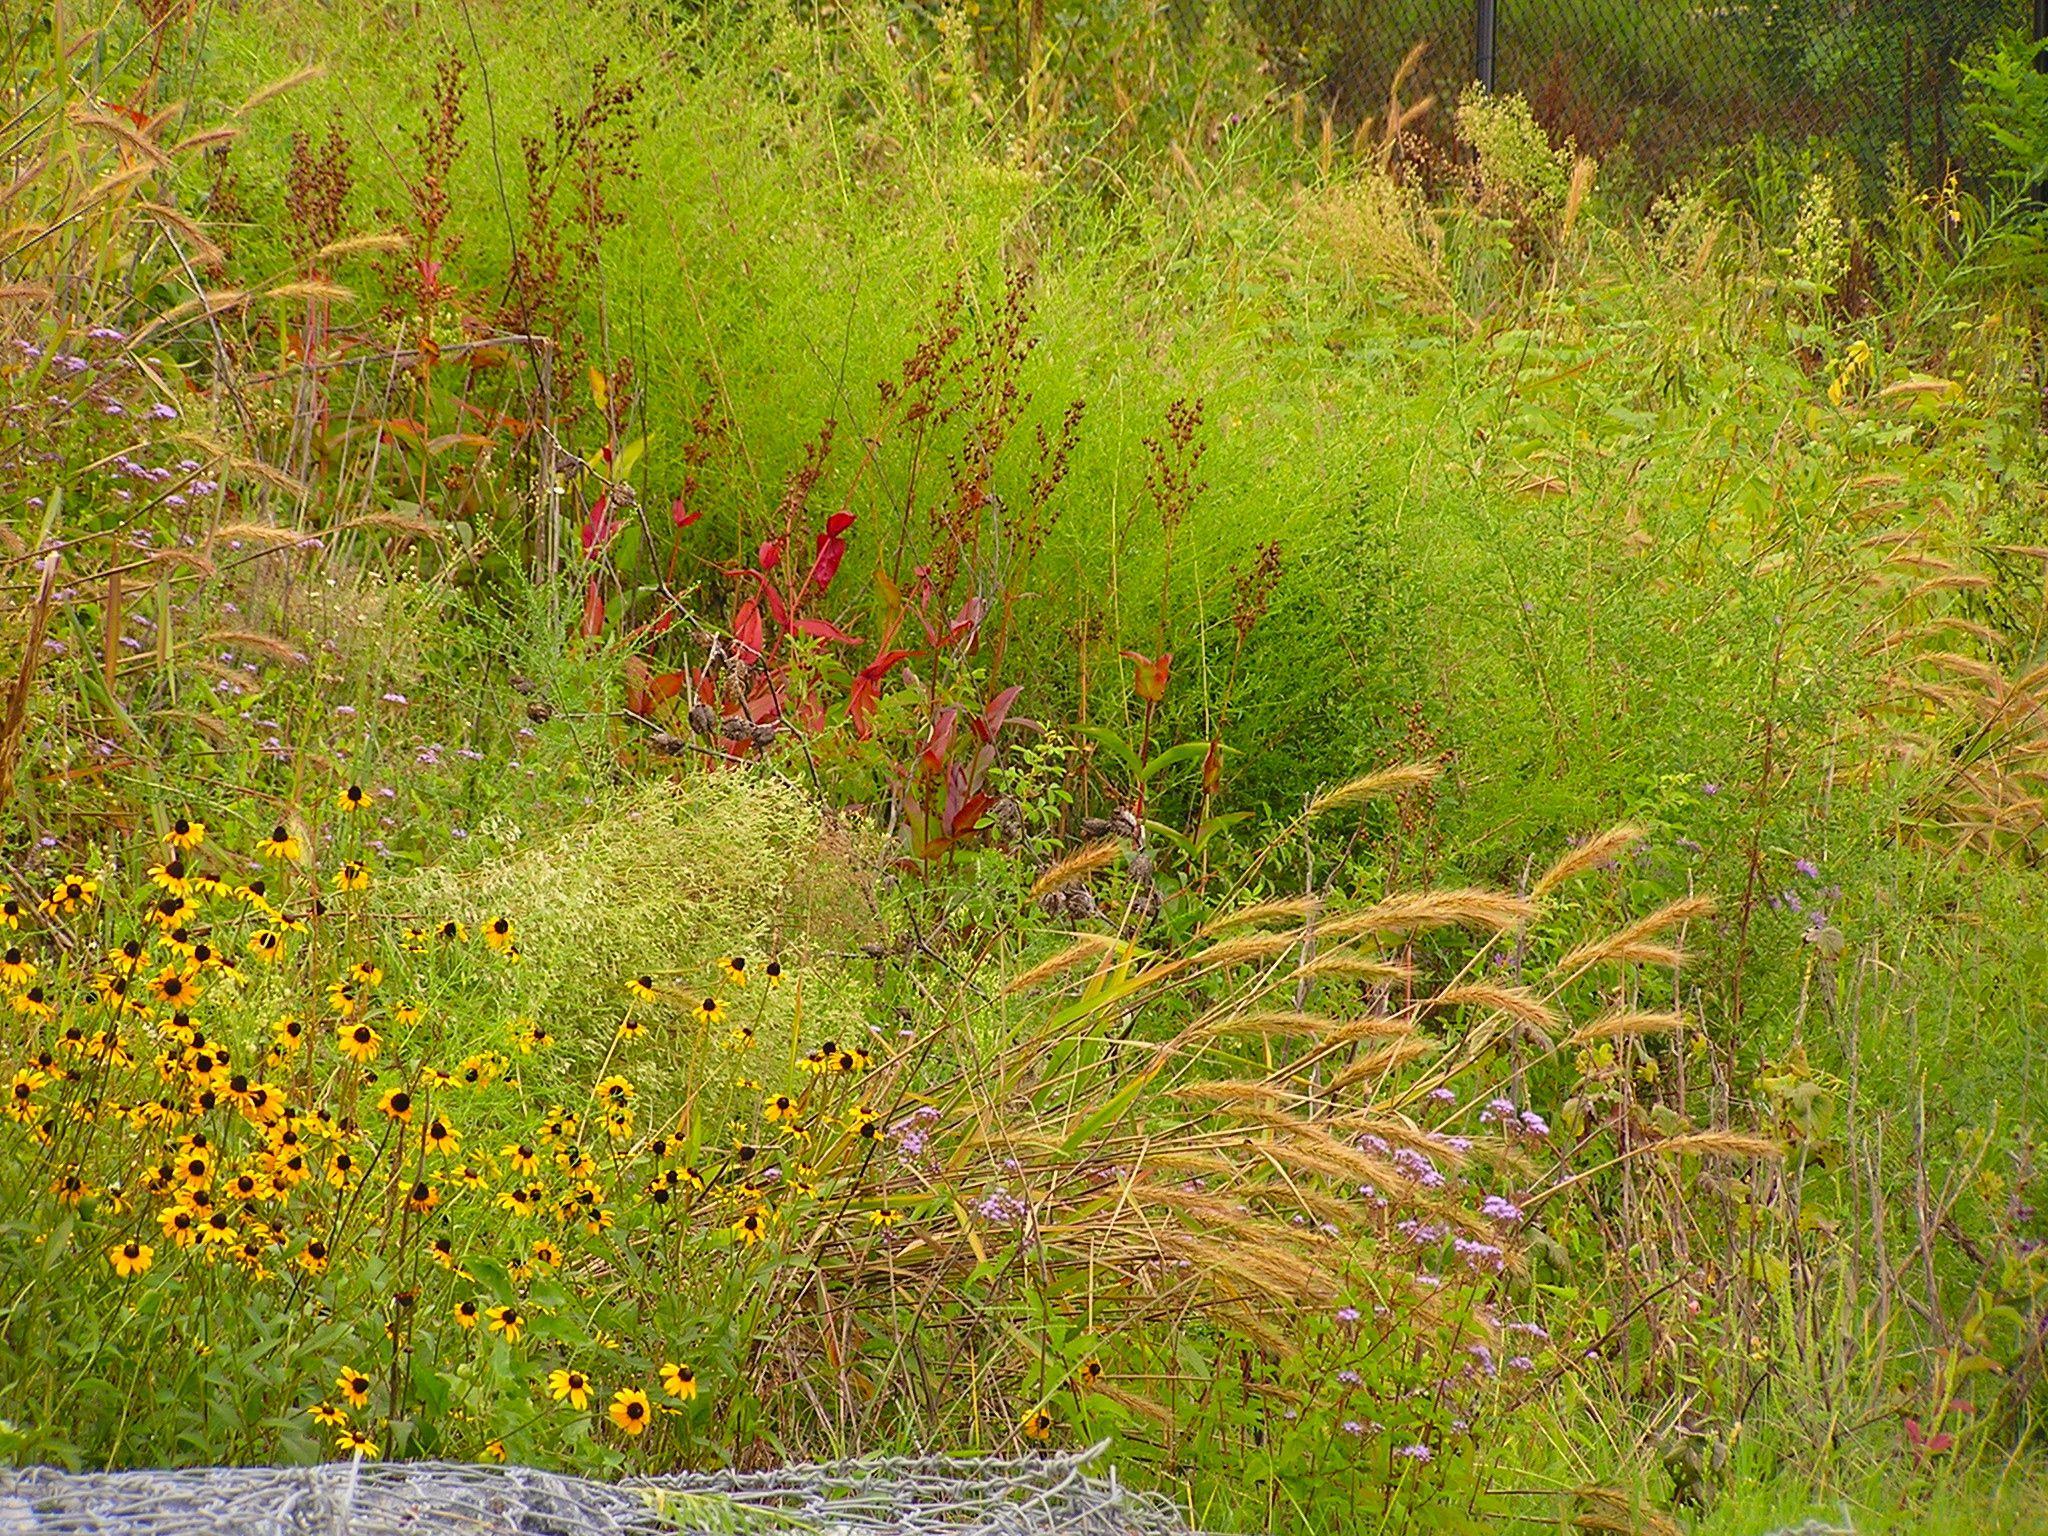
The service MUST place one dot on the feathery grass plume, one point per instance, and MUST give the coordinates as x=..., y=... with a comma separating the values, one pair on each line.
x=1626, y=1026
x=1591, y=854
x=1088, y=946
x=1483, y=910
x=330, y=293
x=1227, y=1021
x=200, y=248
x=254, y=640
x=397, y=522
x=1384, y=1060
x=25, y=293
x=1076, y=867
x=1611, y=1512
x=278, y=87
x=1295, y=909
x=1231, y=1091
x=272, y=476
x=1370, y=786
x=1631, y=943
x=206, y=138
x=1720, y=1144
x=387, y=243
x=1250, y=946
x=1516, y=1002
x=1399, y=1133
x=122, y=132
x=1367, y=1027
x=1355, y=968
x=1583, y=170
x=261, y=533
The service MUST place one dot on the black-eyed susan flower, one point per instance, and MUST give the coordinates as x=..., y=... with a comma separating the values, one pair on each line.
x=366, y=974
x=422, y=1198
x=643, y=989
x=530, y=1036
x=281, y=844
x=354, y=1387
x=409, y=1012
x=734, y=969
x=172, y=876
x=177, y=986
x=614, y=1089
x=773, y=971
x=440, y=1138
x=267, y=945
x=679, y=1381
x=1037, y=1424
x=352, y=799
x=11, y=912
x=519, y=1200
x=354, y=875
x=359, y=1042
x=131, y=1258
x=524, y=1159
x=185, y=833
x=751, y=1227
x=466, y=1314
x=342, y=1169
x=710, y=1012
x=780, y=1110
x=631, y=1029
x=468, y=1176
x=180, y=1226
x=546, y=1254
x=358, y=1443
x=498, y=934
x=506, y=1322
x=326, y=1414
x=884, y=1216
x=72, y=894
x=1091, y=1371
x=443, y=1250
x=451, y=931
x=344, y=997
x=32, y=1004
x=314, y=1258
x=170, y=914
x=16, y=969
x=571, y=1387
x=395, y=1104
x=630, y=1410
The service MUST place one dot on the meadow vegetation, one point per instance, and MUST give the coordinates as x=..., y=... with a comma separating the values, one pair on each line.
x=730, y=735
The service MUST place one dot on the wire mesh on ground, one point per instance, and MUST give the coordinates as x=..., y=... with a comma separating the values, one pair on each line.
x=1670, y=78
x=1049, y=1495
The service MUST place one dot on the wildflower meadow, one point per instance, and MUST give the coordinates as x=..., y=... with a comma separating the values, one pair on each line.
x=738, y=734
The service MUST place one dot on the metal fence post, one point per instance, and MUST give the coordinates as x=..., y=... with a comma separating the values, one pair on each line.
x=1483, y=37
x=2041, y=34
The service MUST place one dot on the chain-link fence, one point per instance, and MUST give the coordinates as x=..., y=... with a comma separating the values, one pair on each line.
x=1670, y=79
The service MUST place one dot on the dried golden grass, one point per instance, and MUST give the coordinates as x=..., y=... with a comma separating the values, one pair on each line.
x=1631, y=944
x=1373, y=786
x=1516, y=1002
x=1482, y=910
x=1293, y=910
x=1075, y=868
x=1626, y=1026
x=1604, y=849
x=1089, y=946
x=1731, y=1145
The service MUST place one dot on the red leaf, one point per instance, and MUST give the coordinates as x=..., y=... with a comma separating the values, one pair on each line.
x=940, y=742
x=1212, y=769
x=679, y=516
x=831, y=550
x=593, y=609
x=862, y=699
x=878, y=669
x=991, y=719
x=837, y=524
x=962, y=821
x=825, y=629
x=966, y=621
x=600, y=527
x=746, y=632
x=770, y=554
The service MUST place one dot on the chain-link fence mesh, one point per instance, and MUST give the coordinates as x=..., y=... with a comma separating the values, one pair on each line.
x=1670, y=79
x=1052, y=1495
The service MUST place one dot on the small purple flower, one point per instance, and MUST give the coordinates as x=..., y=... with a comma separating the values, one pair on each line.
x=1710, y=789
x=394, y=698
x=1534, y=1124
x=1501, y=1209
x=163, y=411
x=1420, y=1454
x=1349, y=1378
x=1443, y=1096
x=1807, y=868
x=1347, y=1314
